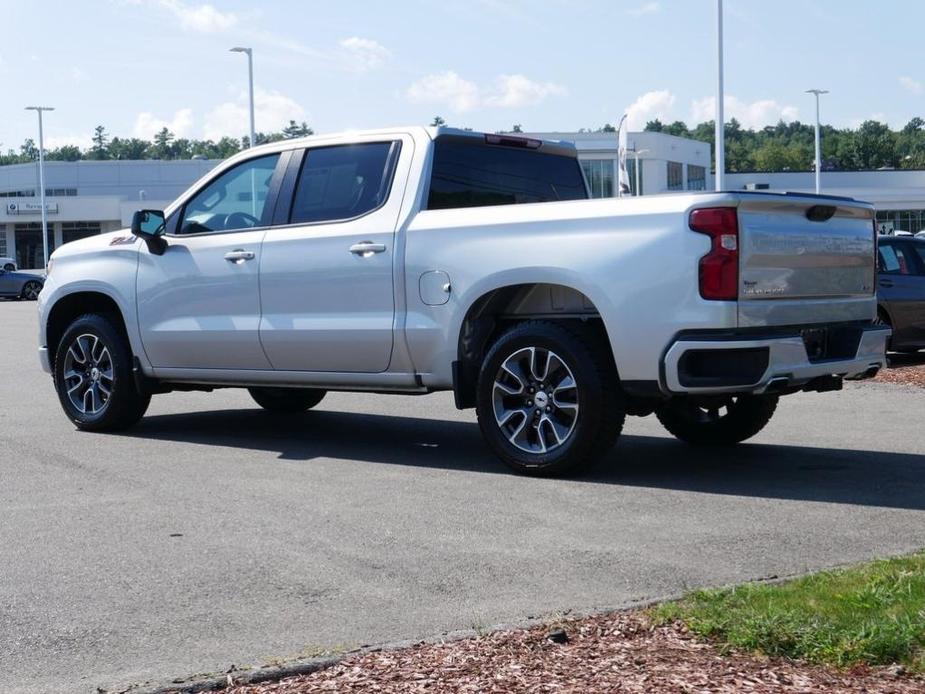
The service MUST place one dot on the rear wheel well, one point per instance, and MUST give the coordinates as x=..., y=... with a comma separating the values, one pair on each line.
x=500, y=308
x=72, y=306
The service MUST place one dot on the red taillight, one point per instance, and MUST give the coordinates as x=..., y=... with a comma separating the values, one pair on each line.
x=719, y=269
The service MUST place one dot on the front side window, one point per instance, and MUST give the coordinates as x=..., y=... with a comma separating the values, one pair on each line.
x=343, y=182
x=234, y=200
x=475, y=175
x=919, y=249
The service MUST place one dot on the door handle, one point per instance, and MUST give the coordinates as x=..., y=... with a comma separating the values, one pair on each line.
x=238, y=256
x=884, y=283
x=367, y=248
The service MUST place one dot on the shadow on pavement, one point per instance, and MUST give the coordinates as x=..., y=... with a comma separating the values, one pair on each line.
x=872, y=478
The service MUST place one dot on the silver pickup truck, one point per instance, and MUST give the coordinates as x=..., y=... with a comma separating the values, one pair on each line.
x=415, y=260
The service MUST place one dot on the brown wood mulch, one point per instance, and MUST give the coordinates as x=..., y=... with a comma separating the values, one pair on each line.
x=900, y=374
x=619, y=652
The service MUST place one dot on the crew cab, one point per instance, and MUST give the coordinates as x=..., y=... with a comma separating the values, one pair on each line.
x=414, y=260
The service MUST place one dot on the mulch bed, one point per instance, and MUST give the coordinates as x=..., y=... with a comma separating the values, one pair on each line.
x=620, y=652
x=903, y=375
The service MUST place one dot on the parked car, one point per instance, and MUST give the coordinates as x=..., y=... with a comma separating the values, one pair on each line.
x=20, y=285
x=417, y=260
x=8, y=264
x=901, y=291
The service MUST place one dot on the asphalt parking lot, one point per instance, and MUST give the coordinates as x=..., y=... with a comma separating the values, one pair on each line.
x=215, y=534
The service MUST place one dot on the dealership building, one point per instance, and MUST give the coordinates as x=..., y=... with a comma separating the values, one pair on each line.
x=92, y=197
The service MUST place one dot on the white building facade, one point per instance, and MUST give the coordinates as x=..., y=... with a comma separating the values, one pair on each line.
x=667, y=163
x=83, y=198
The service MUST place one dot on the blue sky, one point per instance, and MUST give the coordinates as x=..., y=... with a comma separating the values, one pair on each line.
x=137, y=65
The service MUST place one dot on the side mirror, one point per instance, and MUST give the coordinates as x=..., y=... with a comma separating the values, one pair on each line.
x=149, y=226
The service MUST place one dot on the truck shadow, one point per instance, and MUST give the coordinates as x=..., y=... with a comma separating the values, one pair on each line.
x=864, y=477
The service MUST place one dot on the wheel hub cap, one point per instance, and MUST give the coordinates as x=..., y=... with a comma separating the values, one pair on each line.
x=88, y=374
x=535, y=400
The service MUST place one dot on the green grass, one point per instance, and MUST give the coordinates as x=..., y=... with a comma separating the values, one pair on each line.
x=873, y=614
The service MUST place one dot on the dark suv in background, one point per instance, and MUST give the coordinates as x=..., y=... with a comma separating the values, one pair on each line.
x=901, y=291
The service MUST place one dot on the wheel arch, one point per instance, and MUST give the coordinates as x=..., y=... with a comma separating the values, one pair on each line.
x=71, y=306
x=499, y=307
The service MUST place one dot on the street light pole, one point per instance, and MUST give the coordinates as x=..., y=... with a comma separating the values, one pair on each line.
x=250, y=85
x=39, y=109
x=636, y=153
x=720, y=132
x=817, y=92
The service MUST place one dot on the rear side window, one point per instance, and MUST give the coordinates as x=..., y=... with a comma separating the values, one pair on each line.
x=343, y=182
x=894, y=260
x=478, y=175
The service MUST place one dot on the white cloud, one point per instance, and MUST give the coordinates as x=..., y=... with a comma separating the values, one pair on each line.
x=651, y=105
x=445, y=89
x=755, y=114
x=78, y=75
x=204, y=18
x=646, y=8
x=272, y=111
x=365, y=54
x=460, y=95
x=517, y=91
x=910, y=85
x=147, y=124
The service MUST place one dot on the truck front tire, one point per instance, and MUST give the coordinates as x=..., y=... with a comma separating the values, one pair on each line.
x=717, y=420
x=287, y=400
x=93, y=376
x=548, y=399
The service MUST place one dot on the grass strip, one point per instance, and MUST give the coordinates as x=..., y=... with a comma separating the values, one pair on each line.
x=870, y=614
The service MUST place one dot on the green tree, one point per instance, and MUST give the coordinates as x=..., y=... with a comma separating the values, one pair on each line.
x=297, y=130
x=28, y=151
x=516, y=128
x=607, y=128
x=100, y=138
x=130, y=148
x=437, y=121
x=874, y=145
x=65, y=153
x=162, y=144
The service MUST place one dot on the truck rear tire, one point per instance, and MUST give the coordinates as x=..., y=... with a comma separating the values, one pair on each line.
x=93, y=376
x=717, y=420
x=287, y=400
x=548, y=399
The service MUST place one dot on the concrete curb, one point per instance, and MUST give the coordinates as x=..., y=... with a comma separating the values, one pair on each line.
x=212, y=683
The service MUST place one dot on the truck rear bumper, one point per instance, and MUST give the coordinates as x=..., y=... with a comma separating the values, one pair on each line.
x=717, y=363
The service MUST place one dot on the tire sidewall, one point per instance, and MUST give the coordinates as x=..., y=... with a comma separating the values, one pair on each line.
x=123, y=389
x=24, y=294
x=590, y=400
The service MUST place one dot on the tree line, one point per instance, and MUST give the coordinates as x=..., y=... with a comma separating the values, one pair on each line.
x=791, y=146
x=781, y=147
x=164, y=145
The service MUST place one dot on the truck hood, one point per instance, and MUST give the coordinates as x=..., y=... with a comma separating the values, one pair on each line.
x=96, y=244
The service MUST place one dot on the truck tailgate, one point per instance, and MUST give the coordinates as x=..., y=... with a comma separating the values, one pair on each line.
x=805, y=259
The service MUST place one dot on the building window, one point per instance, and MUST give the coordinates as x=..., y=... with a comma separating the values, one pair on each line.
x=889, y=221
x=675, y=175
x=599, y=173
x=3, y=241
x=72, y=231
x=696, y=177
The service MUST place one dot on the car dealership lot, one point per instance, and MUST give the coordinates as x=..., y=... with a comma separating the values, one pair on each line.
x=216, y=534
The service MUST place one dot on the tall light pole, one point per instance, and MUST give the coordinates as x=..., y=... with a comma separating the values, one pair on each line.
x=250, y=84
x=636, y=153
x=39, y=109
x=720, y=132
x=817, y=92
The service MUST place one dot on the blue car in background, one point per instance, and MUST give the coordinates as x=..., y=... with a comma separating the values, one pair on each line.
x=20, y=285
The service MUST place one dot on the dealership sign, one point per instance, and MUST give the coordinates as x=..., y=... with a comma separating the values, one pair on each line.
x=30, y=208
